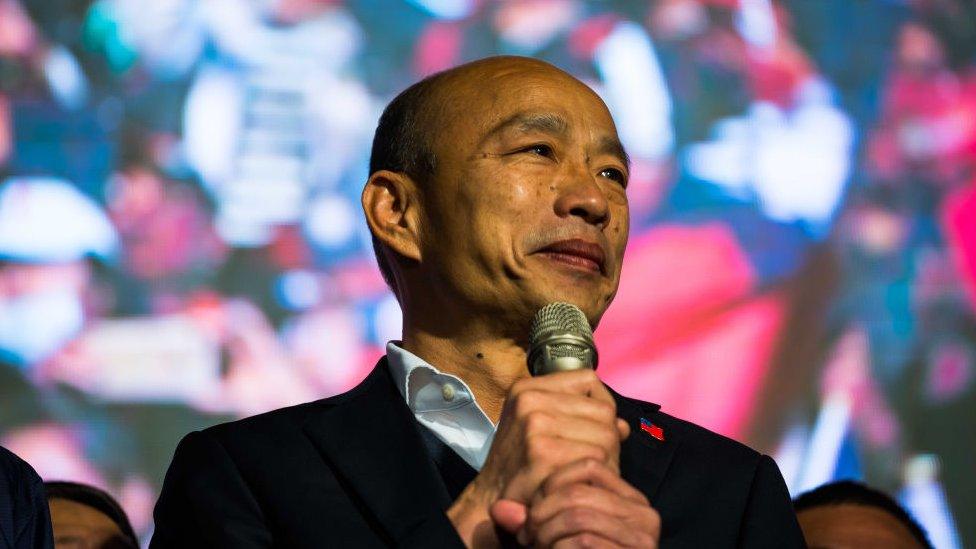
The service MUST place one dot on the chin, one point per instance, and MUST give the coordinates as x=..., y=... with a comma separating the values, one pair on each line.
x=548, y=282
x=591, y=301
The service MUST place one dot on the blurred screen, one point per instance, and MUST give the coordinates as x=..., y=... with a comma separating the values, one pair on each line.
x=181, y=241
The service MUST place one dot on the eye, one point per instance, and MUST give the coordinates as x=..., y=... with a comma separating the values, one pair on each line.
x=539, y=149
x=614, y=174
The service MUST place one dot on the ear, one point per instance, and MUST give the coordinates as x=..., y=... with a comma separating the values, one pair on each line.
x=393, y=211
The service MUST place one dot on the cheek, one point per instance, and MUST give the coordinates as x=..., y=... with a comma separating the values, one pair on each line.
x=521, y=202
x=618, y=233
x=620, y=225
x=499, y=206
x=507, y=202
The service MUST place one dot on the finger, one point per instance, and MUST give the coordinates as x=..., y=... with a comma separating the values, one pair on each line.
x=584, y=520
x=592, y=473
x=580, y=382
x=528, y=402
x=578, y=429
x=623, y=428
x=508, y=514
x=584, y=496
x=546, y=454
x=585, y=540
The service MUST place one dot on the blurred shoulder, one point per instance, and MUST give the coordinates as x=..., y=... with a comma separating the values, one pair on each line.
x=24, y=518
x=16, y=475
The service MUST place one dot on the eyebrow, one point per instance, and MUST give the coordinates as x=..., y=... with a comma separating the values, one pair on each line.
x=529, y=122
x=613, y=147
x=555, y=125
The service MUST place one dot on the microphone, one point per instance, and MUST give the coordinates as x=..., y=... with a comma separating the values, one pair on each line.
x=560, y=339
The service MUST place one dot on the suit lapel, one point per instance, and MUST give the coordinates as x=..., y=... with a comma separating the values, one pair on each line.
x=371, y=439
x=644, y=460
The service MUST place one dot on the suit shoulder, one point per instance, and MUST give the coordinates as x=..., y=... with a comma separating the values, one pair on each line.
x=282, y=419
x=696, y=440
x=699, y=437
x=281, y=422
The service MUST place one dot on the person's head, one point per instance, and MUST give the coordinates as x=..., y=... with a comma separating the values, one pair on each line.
x=850, y=514
x=497, y=187
x=85, y=517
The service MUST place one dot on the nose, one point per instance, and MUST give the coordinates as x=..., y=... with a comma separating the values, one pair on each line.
x=582, y=197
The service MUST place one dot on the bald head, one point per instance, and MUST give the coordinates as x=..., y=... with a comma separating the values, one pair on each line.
x=403, y=141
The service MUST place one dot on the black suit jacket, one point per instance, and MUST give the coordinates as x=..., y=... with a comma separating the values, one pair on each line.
x=25, y=521
x=352, y=471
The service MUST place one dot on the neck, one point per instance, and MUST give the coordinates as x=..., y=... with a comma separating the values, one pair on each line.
x=489, y=364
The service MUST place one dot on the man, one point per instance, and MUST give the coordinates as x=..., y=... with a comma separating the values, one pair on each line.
x=850, y=514
x=496, y=188
x=85, y=516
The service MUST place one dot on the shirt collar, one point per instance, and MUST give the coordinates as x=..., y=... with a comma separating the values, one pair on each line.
x=424, y=387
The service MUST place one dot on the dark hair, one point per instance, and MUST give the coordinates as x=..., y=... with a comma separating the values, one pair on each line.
x=402, y=143
x=97, y=499
x=856, y=493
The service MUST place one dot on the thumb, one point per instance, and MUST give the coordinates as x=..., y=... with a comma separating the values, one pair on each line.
x=509, y=515
x=623, y=429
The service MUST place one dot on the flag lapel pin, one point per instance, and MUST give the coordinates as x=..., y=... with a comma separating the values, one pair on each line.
x=652, y=429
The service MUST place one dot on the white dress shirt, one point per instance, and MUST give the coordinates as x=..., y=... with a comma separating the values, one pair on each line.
x=442, y=403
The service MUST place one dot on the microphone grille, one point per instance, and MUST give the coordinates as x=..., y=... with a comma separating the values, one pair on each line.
x=559, y=318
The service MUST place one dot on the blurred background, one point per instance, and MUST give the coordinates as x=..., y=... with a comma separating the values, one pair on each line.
x=181, y=242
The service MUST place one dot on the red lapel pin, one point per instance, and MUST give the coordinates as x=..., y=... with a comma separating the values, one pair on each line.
x=652, y=429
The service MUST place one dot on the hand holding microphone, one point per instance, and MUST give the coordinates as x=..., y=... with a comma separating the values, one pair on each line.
x=555, y=460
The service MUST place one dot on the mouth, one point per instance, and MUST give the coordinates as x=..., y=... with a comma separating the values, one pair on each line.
x=577, y=253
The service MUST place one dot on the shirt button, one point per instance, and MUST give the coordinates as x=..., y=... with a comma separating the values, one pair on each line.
x=447, y=390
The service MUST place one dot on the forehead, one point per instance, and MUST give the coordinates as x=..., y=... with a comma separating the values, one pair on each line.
x=68, y=512
x=526, y=97
x=859, y=525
